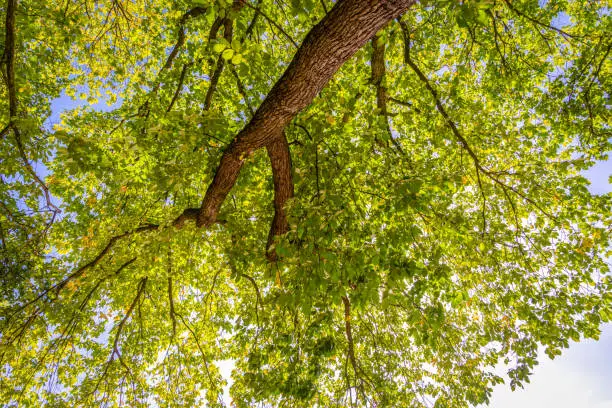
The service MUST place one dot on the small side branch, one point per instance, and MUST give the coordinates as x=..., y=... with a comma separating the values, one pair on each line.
x=242, y=90
x=228, y=34
x=8, y=57
x=179, y=87
x=251, y=27
x=180, y=40
x=404, y=103
x=144, y=109
x=378, y=77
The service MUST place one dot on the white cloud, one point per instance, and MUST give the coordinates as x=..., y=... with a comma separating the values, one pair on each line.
x=580, y=378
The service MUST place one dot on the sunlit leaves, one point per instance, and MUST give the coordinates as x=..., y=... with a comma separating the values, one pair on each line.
x=448, y=270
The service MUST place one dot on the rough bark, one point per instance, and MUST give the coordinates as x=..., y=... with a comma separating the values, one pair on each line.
x=280, y=158
x=347, y=27
x=8, y=56
x=379, y=71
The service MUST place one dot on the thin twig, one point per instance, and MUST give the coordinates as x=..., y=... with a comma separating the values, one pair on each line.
x=538, y=22
x=274, y=23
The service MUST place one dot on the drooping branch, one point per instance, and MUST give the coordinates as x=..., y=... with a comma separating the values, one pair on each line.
x=141, y=287
x=259, y=301
x=349, y=334
x=344, y=30
x=204, y=356
x=280, y=158
x=455, y=130
x=8, y=60
x=115, y=350
x=81, y=270
x=26, y=163
x=178, y=222
x=171, y=302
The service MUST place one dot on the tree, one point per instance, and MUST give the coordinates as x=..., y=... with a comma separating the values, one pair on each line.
x=416, y=218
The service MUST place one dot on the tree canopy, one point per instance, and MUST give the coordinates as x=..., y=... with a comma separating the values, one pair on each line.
x=358, y=202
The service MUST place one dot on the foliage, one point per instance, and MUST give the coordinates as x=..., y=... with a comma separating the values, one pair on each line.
x=440, y=224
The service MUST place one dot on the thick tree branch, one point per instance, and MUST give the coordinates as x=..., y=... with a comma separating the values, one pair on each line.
x=280, y=158
x=347, y=27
